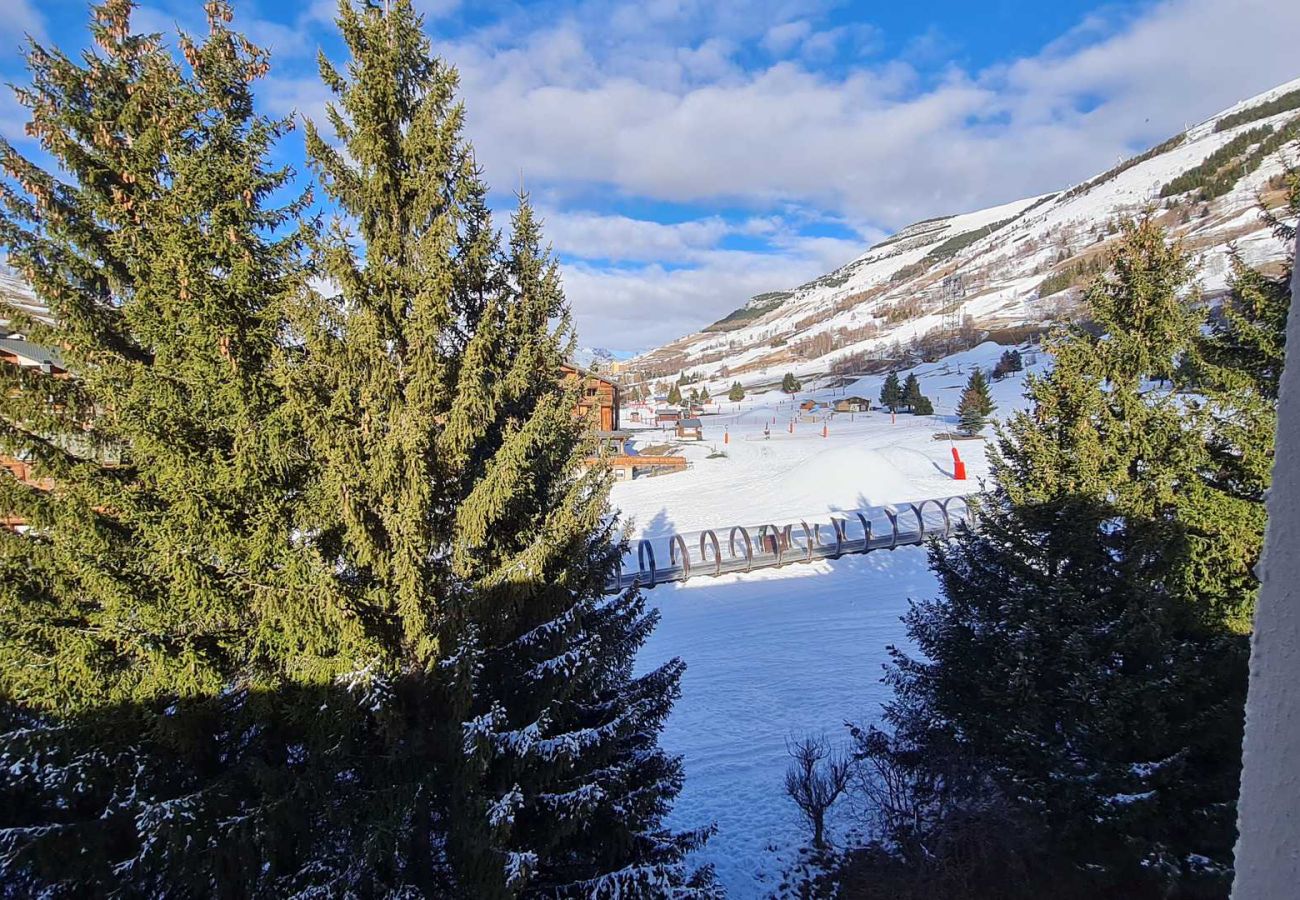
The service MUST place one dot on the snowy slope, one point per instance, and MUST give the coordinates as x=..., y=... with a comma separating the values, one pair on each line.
x=781, y=652
x=900, y=288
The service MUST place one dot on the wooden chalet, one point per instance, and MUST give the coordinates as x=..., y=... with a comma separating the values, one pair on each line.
x=599, y=393
x=690, y=430
x=853, y=404
x=667, y=416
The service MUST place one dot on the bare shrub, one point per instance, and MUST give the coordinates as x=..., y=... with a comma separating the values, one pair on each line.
x=815, y=780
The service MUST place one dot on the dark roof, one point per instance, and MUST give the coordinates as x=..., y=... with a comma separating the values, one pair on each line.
x=37, y=353
x=689, y=423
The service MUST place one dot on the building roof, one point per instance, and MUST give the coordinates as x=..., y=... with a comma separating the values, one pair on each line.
x=689, y=423
x=588, y=373
x=32, y=354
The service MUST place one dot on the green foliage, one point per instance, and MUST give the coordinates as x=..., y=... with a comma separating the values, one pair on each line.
x=921, y=406
x=790, y=384
x=975, y=405
x=911, y=391
x=1284, y=103
x=675, y=396
x=891, y=393
x=704, y=395
x=1221, y=170
x=737, y=392
x=1075, y=273
x=1083, y=675
x=156, y=643
x=339, y=625
x=758, y=305
x=958, y=242
x=1007, y=364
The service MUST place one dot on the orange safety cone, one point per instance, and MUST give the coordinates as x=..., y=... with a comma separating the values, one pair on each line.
x=823, y=431
x=958, y=467
x=726, y=437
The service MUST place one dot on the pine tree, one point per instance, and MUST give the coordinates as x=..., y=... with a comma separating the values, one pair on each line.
x=704, y=395
x=790, y=384
x=1008, y=363
x=737, y=392
x=975, y=405
x=922, y=406
x=911, y=391
x=674, y=396
x=695, y=396
x=891, y=393
x=1086, y=666
x=519, y=751
x=154, y=656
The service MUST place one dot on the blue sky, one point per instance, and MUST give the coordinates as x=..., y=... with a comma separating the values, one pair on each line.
x=687, y=154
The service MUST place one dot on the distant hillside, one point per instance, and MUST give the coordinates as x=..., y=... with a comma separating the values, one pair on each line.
x=1014, y=266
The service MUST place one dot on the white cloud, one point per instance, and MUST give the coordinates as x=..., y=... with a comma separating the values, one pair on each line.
x=780, y=39
x=650, y=101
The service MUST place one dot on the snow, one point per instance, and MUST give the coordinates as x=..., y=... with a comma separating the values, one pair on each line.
x=1002, y=269
x=780, y=652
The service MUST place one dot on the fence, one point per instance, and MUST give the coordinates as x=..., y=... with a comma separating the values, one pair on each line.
x=679, y=557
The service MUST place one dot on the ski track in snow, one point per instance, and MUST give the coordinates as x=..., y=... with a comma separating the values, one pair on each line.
x=782, y=652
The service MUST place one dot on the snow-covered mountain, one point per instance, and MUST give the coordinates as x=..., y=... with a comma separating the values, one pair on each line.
x=1017, y=264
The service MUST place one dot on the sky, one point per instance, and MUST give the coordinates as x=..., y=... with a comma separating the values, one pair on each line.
x=688, y=154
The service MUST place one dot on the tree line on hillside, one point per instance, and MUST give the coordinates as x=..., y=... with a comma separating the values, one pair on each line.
x=1070, y=720
x=332, y=619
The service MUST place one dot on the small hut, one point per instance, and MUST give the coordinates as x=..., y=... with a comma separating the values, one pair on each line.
x=690, y=430
x=852, y=405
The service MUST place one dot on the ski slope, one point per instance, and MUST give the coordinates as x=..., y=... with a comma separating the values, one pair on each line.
x=780, y=652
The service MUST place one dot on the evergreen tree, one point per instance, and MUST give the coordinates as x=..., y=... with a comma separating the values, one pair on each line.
x=737, y=392
x=891, y=393
x=338, y=624
x=790, y=384
x=704, y=395
x=520, y=752
x=1008, y=363
x=695, y=395
x=911, y=391
x=157, y=662
x=922, y=406
x=675, y=396
x=1086, y=666
x=975, y=405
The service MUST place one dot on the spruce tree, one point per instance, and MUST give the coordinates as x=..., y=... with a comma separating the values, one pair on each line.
x=737, y=392
x=674, y=396
x=695, y=395
x=1086, y=665
x=158, y=665
x=520, y=753
x=922, y=406
x=704, y=395
x=790, y=384
x=975, y=405
x=911, y=391
x=891, y=393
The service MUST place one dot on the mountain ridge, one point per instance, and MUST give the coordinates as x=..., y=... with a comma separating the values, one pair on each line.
x=987, y=268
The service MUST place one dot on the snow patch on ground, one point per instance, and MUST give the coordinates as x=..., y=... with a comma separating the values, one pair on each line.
x=780, y=652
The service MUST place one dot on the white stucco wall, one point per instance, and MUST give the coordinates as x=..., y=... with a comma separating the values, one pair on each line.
x=1268, y=815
